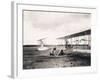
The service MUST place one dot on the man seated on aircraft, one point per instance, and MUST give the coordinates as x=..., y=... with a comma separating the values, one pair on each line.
x=54, y=52
x=61, y=52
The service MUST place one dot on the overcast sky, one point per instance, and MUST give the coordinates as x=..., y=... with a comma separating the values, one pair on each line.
x=52, y=25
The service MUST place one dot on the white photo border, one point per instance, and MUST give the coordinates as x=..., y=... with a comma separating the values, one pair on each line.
x=17, y=41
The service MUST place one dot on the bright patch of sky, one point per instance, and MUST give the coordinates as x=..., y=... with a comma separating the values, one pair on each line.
x=52, y=25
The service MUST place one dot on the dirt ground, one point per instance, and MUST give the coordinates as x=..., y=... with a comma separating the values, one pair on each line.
x=34, y=59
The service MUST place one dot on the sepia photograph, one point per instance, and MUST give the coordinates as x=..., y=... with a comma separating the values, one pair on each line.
x=56, y=39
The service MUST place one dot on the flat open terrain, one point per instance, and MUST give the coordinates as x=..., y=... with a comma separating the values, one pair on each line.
x=35, y=59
